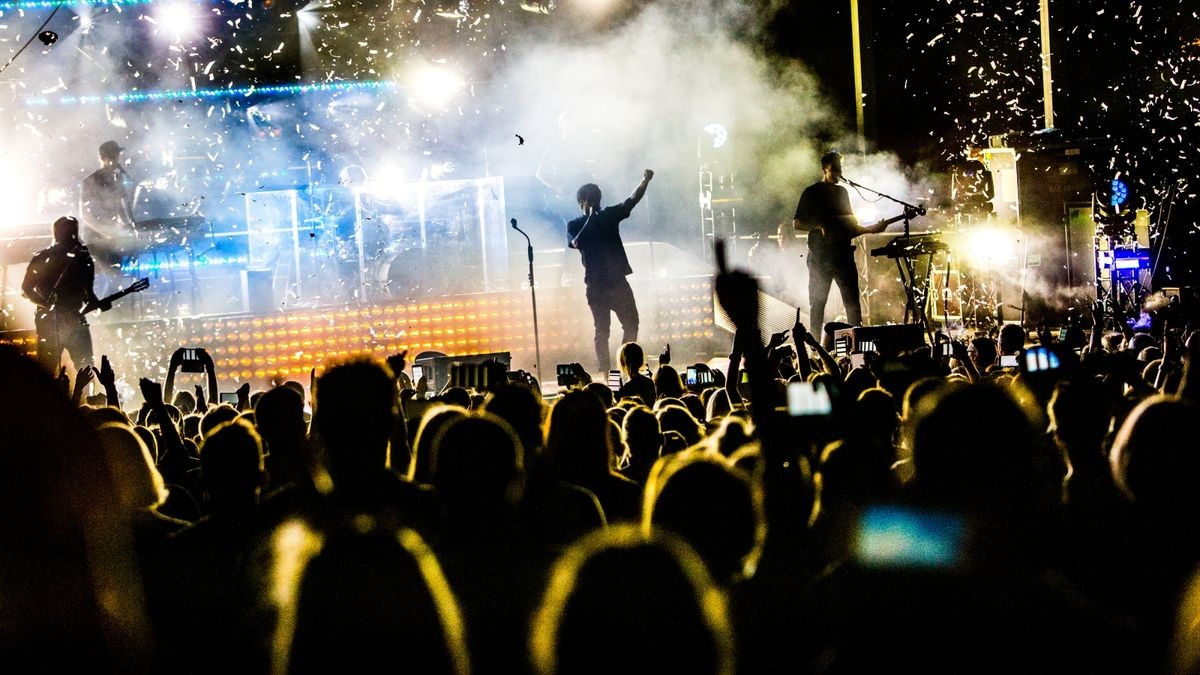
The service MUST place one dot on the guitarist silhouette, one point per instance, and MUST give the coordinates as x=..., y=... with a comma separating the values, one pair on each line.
x=59, y=281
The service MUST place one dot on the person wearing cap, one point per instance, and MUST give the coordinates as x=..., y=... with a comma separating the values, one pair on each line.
x=59, y=280
x=105, y=202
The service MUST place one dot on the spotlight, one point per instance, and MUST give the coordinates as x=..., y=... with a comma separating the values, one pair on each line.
x=178, y=20
x=434, y=86
x=308, y=18
x=1120, y=193
x=718, y=132
x=867, y=213
x=990, y=248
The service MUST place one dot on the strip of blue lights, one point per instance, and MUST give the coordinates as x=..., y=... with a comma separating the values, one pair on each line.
x=19, y=5
x=141, y=265
x=229, y=92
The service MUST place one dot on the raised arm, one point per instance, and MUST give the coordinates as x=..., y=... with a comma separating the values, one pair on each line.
x=152, y=393
x=1189, y=388
x=799, y=338
x=172, y=367
x=640, y=190
x=108, y=379
x=214, y=395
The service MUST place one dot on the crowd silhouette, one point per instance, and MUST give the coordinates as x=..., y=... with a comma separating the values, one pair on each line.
x=788, y=513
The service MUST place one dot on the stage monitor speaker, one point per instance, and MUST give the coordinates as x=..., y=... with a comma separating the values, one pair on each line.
x=891, y=339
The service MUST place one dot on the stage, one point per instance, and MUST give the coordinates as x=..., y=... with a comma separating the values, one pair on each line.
x=281, y=345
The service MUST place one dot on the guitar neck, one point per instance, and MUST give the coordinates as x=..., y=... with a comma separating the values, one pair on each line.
x=137, y=286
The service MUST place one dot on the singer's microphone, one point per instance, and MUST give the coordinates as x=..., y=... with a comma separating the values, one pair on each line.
x=513, y=222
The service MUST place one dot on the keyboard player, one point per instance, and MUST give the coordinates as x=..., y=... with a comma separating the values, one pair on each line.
x=106, y=199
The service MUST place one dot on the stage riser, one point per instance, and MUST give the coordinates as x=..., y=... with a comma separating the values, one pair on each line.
x=259, y=347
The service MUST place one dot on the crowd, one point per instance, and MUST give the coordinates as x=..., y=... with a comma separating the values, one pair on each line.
x=928, y=510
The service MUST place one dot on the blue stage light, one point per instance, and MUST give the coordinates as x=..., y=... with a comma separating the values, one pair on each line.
x=230, y=92
x=1120, y=193
x=169, y=263
x=7, y=5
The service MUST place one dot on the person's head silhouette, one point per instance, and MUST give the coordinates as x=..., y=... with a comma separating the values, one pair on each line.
x=713, y=506
x=353, y=416
x=369, y=602
x=654, y=590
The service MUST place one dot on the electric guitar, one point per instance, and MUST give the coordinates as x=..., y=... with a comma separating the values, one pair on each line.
x=136, y=287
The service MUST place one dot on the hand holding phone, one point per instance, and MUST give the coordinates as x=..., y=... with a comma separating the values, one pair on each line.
x=808, y=399
x=190, y=361
x=614, y=380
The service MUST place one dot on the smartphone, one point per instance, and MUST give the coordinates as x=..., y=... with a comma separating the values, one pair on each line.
x=909, y=537
x=1062, y=334
x=808, y=399
x=191, y=362
x=1040, y=359
x=866, y=346
x=418, y=373
x=947, y=349
x=841, y=346
x=1008, y=360
x=692, y=379
x=614, y=380
x=229, y=397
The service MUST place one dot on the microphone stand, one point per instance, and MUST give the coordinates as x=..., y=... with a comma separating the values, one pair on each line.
x=908, y=268
x=537, y=341
x=910, y=210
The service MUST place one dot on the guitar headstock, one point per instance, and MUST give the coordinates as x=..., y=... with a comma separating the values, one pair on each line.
x=140, y=285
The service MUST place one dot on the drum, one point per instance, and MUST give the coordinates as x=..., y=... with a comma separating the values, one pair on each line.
x=403, y=275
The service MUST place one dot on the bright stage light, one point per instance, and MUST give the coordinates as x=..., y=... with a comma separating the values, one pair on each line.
x=308, y=19
x=17, y=193
x=990, y=248
x=718, y=132
x=434, y=86
x=867, y=213
x=1120, y=193
x=230, y=92
x=178, y=20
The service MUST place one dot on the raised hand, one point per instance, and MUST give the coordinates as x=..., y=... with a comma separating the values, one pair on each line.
x=738, y=294
x=82, y=378
x=664, y=359
x=1191, y=347
x=152, y=392
x=647, y=175
x=243, y=396
x=64, y=381
x=777, y=339
x=106, y=376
